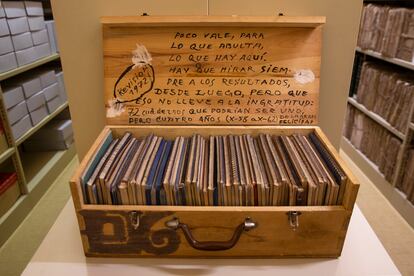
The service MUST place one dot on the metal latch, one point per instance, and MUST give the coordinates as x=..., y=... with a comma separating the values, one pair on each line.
x=134, y=217
x=293, y=217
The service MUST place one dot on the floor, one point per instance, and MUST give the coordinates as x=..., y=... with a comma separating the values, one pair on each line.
x=395, y=234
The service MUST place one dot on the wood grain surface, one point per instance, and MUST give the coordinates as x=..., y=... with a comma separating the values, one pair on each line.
x=212, y=74
x=106, y=230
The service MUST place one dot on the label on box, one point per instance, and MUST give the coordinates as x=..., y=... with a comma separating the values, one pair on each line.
x=226, y=75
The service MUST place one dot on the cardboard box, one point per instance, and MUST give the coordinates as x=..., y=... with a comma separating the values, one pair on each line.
x=12, y=95
x=62, y=89
x=26, y=56
x=8, y=62
x=22, y=41
x=9, y=193
x=6, y=45
x=29, y=84
x=18, y=25
x=21, y=127
x=4, y=28
x=50, y=26
x=17, y=112
x=42, y=50
x=40, y=37
x=47, y=77
x=2, y=14
x=33, y=8
x=56, y=130
x=54, y=103
x=36, y=23
x=35, y=101
x=14, y=9
x=51, y=91
x=38, y=114
x=46, y=145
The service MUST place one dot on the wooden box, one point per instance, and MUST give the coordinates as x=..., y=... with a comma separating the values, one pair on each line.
x=212, y=75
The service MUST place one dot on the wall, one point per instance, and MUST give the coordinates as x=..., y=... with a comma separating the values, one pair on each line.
x=79, y=37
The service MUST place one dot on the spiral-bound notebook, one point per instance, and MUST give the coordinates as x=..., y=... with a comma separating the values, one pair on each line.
x=229, y=170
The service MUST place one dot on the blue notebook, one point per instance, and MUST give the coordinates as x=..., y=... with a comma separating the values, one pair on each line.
x=158, y=187
x=152, y=173
x=92, y=165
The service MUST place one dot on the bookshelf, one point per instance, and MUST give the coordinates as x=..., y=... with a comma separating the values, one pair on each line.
x=27, y=67
x=36, y=171
x=376, y=118
x=396, y=61
x=397, y=198
x=393, y=195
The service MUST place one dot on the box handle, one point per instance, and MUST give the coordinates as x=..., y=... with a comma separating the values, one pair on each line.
x=247, y=225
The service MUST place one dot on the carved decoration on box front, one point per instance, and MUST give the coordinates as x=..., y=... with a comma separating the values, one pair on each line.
x=109, y=232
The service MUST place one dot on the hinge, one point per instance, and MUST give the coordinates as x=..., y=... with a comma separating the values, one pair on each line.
x=293, y=217
x=134, y=217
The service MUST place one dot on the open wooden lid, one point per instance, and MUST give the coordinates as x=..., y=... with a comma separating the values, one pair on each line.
x=212, y=70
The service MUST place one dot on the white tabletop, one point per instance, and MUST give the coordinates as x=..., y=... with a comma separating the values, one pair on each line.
x=61, y=254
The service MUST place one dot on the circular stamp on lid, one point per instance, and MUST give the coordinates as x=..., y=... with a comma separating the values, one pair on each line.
x=137, y=79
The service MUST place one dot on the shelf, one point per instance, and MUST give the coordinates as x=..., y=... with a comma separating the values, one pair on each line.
x=393, y=195
x=39, y=182
x=6, y=154
x=40, y=124
x=377, y=118
x=37, y=164
x=29, y=66
x=396, y=61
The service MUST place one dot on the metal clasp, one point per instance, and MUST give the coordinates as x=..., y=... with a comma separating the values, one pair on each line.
x=173, y=224
x=134, y=217
x=249, y=224
x=293, y=217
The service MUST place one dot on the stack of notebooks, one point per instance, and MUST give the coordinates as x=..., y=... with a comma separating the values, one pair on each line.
x=374, y=141
x=388, y=30
x=387, y=93
x=231, y=170
x=407, y=183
